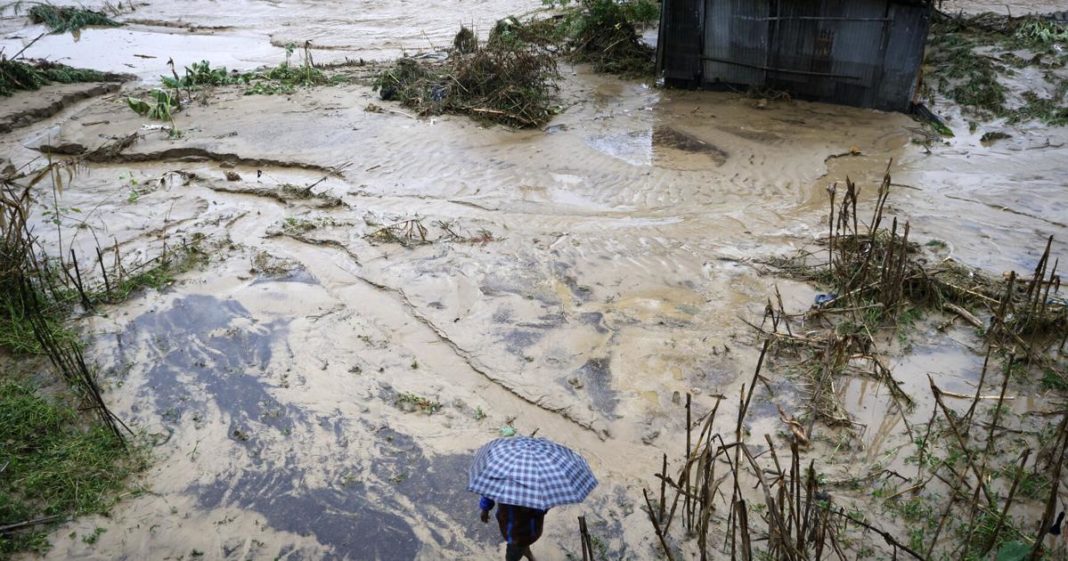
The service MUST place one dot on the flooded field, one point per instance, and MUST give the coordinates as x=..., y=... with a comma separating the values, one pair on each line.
x=317, y=388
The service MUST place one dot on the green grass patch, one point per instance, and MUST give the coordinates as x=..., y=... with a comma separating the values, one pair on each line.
x=53, y=465
x=282, y=79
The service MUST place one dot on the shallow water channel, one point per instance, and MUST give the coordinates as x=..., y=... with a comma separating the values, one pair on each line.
x=576, y=281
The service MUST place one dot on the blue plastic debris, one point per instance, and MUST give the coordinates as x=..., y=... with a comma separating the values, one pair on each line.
x=822, y=299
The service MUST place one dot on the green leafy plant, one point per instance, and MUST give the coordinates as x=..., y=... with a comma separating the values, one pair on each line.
x=200, y=74
x=1041, y=32
x=286, y=78
x=159, y=105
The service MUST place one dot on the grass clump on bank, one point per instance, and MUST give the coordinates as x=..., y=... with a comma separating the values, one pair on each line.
x=18, y=75
x=61, y=19
x=162, y=103
x=282, y=79
x=970, y=60
x=52, y=467
x=508, y=84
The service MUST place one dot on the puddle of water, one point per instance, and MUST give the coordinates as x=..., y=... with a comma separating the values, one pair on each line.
x=144, y=53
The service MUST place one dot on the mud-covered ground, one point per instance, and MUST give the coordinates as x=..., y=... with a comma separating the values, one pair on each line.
x=315, y=391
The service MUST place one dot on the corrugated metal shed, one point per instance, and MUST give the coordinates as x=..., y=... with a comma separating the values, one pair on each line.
x=854, y=52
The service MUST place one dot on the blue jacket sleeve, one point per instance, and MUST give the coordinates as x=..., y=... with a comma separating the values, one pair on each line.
x=485, y=503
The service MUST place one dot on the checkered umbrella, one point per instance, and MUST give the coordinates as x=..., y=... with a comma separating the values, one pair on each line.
x=530, y=472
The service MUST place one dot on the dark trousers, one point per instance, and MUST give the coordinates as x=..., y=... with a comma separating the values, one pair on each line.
x=514, y=552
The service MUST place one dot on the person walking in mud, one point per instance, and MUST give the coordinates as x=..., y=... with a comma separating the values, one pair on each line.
x=520, y=527
x=524, y=477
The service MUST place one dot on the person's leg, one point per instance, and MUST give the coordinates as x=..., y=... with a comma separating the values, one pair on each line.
x=528, y=554
x=514, y=552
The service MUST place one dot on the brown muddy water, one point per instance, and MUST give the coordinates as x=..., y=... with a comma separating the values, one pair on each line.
x=577, y=281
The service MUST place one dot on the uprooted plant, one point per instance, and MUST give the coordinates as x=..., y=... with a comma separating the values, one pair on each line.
x=603, y=33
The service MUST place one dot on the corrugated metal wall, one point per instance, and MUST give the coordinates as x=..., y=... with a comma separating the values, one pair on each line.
x=680, y=27
x=856, y=52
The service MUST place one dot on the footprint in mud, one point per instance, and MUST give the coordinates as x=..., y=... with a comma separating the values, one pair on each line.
x=595, y=377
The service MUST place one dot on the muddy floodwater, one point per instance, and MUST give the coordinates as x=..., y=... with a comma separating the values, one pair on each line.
x=315, y=391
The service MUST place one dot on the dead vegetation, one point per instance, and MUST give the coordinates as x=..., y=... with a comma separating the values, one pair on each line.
x=975, y=488
x=986, y=481
x=412, y=232
x=878, y=277
x=879, y=283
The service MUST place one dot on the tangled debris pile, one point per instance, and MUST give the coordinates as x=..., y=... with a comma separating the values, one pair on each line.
x=604, y=33
x=511, y=78
x=971, y=60
x=514, y=86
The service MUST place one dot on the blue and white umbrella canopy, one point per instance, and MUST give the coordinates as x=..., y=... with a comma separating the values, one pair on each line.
x=530, y=472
